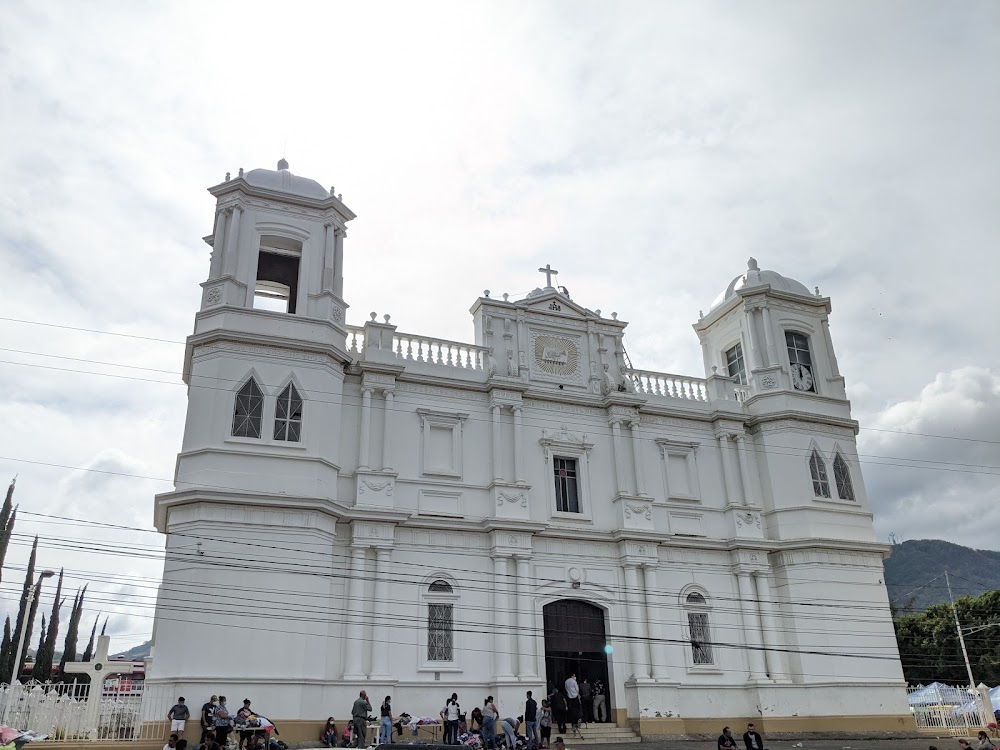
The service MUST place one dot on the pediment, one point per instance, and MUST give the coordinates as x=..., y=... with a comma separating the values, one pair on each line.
x=556, y=304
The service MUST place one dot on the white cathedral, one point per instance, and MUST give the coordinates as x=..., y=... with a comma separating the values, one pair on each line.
x=357, y=507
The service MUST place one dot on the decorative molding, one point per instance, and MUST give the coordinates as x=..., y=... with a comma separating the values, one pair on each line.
x=747, y=519
x=372, y=534
x=556, y=356
x=214, y=295
x=779, y=425
x=826, y=557
x=376, y=378
x=518, y=498
x=585, y=411
x=431, y=390
x=769, y=381
x=239, y=515
x=377, y=487
x=258, y=350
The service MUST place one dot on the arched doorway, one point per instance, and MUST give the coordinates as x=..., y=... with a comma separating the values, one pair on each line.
x=575, y=640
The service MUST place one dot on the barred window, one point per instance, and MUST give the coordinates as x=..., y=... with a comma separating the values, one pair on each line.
x=735, y=365
x=698, y=631
x=440, y=587
x=842, y=475
x=817, y=468
x=288, y=415
x=249, y=410
x=567, y=489
x=440, y=633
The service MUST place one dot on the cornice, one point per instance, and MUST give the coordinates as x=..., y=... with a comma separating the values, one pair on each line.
x=240, y=185
x=755, y=422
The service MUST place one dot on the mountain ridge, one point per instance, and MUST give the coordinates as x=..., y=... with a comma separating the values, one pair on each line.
x=914, y=573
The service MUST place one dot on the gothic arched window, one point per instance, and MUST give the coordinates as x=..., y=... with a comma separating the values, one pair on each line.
x=842, y=475
x=288, y=415
x=248, y=411
x=699, y=631
x=817, y=468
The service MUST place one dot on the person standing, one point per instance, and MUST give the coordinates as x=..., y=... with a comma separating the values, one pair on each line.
x=558, y=702
x=600, y=702
x=385, y=725
x=572, y=701
x=359, y=719
x=223, y=722
x=208, y=717
x=531, y=720
x=545, y=723
x=243, y=717
x=178, y=716
x=586, y=701
x=752, y=739
x=489, y=723
x=450, y=715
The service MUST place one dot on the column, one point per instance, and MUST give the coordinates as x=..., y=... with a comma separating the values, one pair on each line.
x=229, y=262
x=497, y=469
x=338, y=262
x=502, y=641
x=772, y=350
x=751, y=625
x=525, y=627
x=518, y=436
x=218, y=246
x=387, y=431
x=654, y=624
x=640, y=488
x=328, y=259
x=366, y=427
x=773, y=641
x=743, y=458
x=834, y=367
x=752, y=338
x=732, y=492
x=379, y=642
x=637, y=646
x=616, y=433
x=355, y=624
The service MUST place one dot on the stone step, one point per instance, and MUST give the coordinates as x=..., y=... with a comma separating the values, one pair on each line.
x=601, y=729
x=613, y=739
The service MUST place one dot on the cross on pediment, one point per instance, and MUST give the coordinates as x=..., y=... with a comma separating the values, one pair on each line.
x=549, y=273
x=97, y=666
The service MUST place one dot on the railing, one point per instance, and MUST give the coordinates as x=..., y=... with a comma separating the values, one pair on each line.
x=59, y=712
x=665, y=384
x=415, y=348
x=946, y=710
x=742, y=393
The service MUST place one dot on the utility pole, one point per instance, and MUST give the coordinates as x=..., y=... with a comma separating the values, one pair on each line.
x=961, y=638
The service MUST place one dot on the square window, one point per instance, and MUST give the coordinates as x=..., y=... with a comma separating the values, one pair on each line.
x=567, y=485
x=734, y=364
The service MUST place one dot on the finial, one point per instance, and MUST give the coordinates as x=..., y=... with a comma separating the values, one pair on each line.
x=386, y=318
x=486, y=293
x=374, y=315
x=597, y=312
x=227, y=176
x=282, y=163
x=701, y=315
x=241, y=172
x=752, y=264
x=505, y=296
x=614, y=316
x=714, y=369
x=817, y=291
x=340, y=197
x=333, y=191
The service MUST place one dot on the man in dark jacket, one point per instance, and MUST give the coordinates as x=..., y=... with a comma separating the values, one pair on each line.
x=359, y=719
x=752, y=740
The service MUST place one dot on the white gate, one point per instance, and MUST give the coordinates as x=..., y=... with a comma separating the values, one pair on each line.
x=947, y=710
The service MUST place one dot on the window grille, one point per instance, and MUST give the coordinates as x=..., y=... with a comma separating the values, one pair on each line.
x=288, y=415
x=701, y=646
x=821, y=484
x=735, y=365
x=249, y=411
x=440, y=633
x=842, y=475
x=567, y=488
x=440, y=587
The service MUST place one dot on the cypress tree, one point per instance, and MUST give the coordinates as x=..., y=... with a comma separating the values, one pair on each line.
x=31, y=622
x=8, y=514
x=88, y=654
x=22, y=616
x=43, y=659
x=5, y=649
x=69, y=649
x=38, y=652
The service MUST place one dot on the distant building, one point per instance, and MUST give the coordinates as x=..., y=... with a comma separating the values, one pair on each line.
x=357, y=507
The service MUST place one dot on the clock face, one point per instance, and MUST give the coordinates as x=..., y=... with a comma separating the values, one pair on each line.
x=802, y=379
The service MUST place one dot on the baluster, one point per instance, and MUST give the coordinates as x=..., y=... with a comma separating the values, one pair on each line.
x=468, y=359
x=646, y=384
x=420, y=350
x=687, y=389
x=675, y=390
x=450, y=362
x=480, y=356
x=399, y=348
x=409, y=348
x=354, y=341
x=657, y=388
x=440, y=360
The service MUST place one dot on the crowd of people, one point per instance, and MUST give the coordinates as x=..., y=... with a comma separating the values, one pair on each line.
x=217, y=722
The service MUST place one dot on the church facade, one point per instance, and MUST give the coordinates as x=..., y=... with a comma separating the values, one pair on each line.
x=358, y=507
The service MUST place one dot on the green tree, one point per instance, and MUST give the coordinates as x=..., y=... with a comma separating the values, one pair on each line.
x=47, y=648
x=8, y=514
x=72, y=631
x=23, y=618
x=5, y=648
x=41, y=647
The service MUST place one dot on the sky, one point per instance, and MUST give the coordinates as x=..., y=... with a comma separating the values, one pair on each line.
x=644, y=149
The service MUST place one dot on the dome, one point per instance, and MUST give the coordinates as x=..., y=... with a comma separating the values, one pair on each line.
x=283, y=181
x=755, y=277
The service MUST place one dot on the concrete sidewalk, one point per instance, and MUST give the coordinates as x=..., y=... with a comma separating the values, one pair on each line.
x=913, y=743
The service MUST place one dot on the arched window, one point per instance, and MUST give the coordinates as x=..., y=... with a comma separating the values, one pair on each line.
x=248, y=411
x=288, y=415
x=842, y=475
x=817, y=468
x=699, y=632
x=800, y=361
x=440, y=599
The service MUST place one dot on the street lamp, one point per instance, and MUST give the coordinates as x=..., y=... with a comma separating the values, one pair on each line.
x=32, y=593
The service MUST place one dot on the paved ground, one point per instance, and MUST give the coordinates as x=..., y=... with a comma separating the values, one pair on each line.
x=944, y=743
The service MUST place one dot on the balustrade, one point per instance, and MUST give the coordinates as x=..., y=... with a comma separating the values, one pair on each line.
x=665, y=384
x=427, y=349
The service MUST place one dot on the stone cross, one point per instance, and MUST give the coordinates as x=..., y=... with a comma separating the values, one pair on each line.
x=97, y=669
x=549, y=273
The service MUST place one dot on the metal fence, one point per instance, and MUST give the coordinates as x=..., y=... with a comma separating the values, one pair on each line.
x=64, y=712
x=948, y=710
